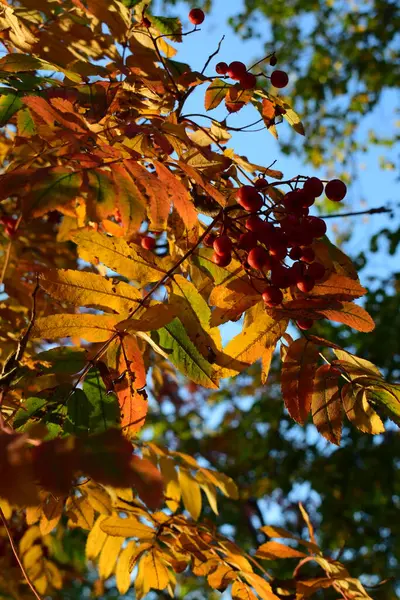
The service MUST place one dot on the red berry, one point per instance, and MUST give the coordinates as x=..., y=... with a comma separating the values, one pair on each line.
x=146, y=22
x=261, y=183
x=196, y=16
x=148, y=243
x=307, y=255
x=313, y=186
x=222, y=245
x=316, y=226
x=316, y=271
x=222, y=260
x=306, y=284
x=304, y=323
x=248, y=197
x=279, y=251
x=221, y=68
x=236, y=70
x=295, y=253
x=255, y=224
x=279, y=79
x=297, y=271
x=335, y=190
x=258, y=258
x=273, y=60
x=248, y=240
x=209, y=240
x=272, y=296
x=248, y=81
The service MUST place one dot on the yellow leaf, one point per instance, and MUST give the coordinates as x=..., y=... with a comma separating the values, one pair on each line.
x=231, y=300
x=90, y=289
x=96, y=539
x=359, y=411
x=274, y=550
x=209, y=490
x=80, y=512
x=122, y=571
x=260, y=331
x=6, y=508
x=261, y=586
x=53, y=575
x=29, y=538
x=266, y=359
x=148, y=319
x=172, y=488
x=93, y=328
x=221, y=577
x=155, y=571
x=98, y=498
x=191, y=494
x=119, y=256
x=343, y=288
x=51, y=514
x=307, y=521
x=241, y=591
x=224, y=483
x=130, y=527
x=109, y=555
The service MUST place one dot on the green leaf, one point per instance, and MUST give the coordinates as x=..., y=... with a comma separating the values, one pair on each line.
x=64, y=359
x=9, y=104
x=25, y=124
x=79, y=411
x=33, y=407
x=104, y=412
x=215, y=93
x=174, y=340
x=170, y=26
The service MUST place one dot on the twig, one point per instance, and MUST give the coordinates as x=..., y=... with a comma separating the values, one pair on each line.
x=371, y=211
x=212, y=55
x=17, y=558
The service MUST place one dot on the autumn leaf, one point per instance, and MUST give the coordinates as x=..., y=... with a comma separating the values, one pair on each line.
x=182, y=352
x=191, y=494
x=351, y=314
x=298, y=370
x=118, y=255
x=90, y=289
x=93, y=328
x=359, y=411
x=339, y=286
x=215, y=93
x=326, y=405
x=178, y=193
x=275, y=550
x=129, y=527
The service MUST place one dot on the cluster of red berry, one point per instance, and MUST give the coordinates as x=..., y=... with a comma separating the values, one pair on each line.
x=262, y=243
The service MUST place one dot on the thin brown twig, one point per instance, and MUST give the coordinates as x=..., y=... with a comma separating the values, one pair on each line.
x=371, y=211
x=212, y=55
x=17, y=558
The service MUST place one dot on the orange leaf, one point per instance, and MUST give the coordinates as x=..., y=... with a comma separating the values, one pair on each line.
x=351, y=314
x=343, y=288
x=159, y=200
x=326, y=404
x=298, y=369
x=275, y=550
x=148, y=482
x=178, y=194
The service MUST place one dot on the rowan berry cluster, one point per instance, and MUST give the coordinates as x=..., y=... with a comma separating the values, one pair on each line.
x=274, y=242
x=237, y=71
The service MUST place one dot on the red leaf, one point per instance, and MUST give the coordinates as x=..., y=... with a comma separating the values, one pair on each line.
x=178, y=194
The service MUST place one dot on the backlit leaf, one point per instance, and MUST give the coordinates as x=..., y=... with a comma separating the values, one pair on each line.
x=351, y=314
x=359, y=411
x=178, y=193
x=117, y=255
x=105, y=409
x=9, y=104
x=326, y=404
x=96, y=539
x=343, y=288
x=191, y=494
x=129, y=527
x=275, y=550
x=93, y=328
x=298, y=370
x=108, y=555
x=122, y=572
x=155, y=571
x=182, y=352
x=57, y=187
x=90, y=289
x=215, y=93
